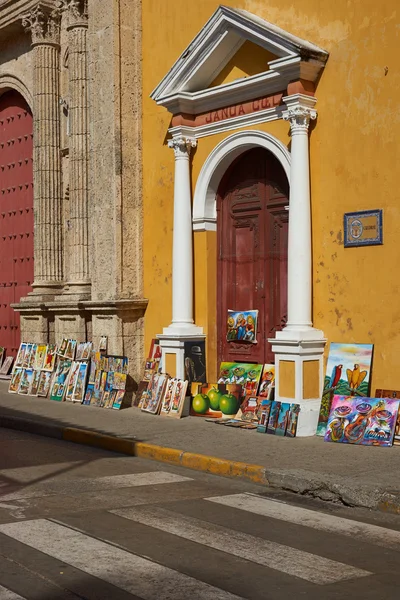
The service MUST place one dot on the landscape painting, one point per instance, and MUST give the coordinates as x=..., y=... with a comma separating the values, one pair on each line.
x=366, y=421
x=242, y=326
x=348, y=373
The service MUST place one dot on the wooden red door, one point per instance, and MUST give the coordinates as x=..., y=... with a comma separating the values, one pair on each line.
x=16, y=213
x=252, y=226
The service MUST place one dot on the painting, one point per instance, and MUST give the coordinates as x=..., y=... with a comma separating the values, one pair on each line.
x=41, y=351
x=142, y=387
x=388, y=394
x=119, y=381
x=267, y=381
x=72, y=380
x=168, y=395
x=263, y=415
x=195, y=361
x=110, y=381
x=27, y=356
x=283, y=418
x=63, y=347
x=248, y=410
x=217, y=400
x=15, y=380
x=293, y=420
x=6, y=366
x=178, y=399
x=366, y=421
x=60, y=382
x=273, y=417
x=96, y=390
x=44, y=384
x=80, y=384
x=156, y=389
x=103, y=343
x=50, y=359
x=26, y=381
x=246, y=374
x=71, y=348
x=347, y=374
x=242, y=326
x=1, y=354
x=88, y=394
x=35, y=383
x=119, y=396
x=103, y=383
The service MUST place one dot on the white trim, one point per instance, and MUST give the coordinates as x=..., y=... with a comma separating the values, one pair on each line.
x=254, y=118
x=216, y=164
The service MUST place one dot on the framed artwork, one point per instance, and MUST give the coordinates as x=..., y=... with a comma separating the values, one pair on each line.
x=35, y=383
x=144, y=398
x=27, y=356
x=119, y=381
x=26, y=381
x=365, y=421
x=63, y=347
x=32, y=357
x=293, y=420
x=273, y=417
x=79, y=350
x=103, y=383
x=195, y=361
x=263, y=415
x=73, y=376
x=157, y=389
x=363, y=228
x=50, y=359
x=96, y=389
x=283, y=419
x=19, y=361
x=242, y=326
x=348, y=373
x=6, y=366
x=15, y=380
x=248, y=410
x=70, y=351
x=60, y=382
x=386, y=394
x=110, y=381
x=267, y=381
x=178, y=399
x=44, y=384
x=246, y=374
x=168, y=395
x=41, y=352
x=79, y=390
x=217, y=400
x=118, y=399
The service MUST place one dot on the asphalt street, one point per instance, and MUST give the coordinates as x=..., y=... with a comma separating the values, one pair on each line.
x=79, y=522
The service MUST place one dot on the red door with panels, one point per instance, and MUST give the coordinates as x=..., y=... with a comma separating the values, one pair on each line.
x=252, y=226
x=16, y=213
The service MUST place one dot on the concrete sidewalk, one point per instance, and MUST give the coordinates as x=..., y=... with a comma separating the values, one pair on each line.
x=354, y=475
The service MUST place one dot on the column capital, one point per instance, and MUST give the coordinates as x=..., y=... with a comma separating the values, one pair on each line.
x=75, y=10
x=182, y=146
x=43, y=26
x=300, y=111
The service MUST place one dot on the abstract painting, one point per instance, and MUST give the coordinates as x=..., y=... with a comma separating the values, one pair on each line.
x=348, y=373
x=242, y=326
x=366, y=421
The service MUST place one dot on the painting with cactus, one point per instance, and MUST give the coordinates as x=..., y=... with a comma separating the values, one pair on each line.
x=348, y=373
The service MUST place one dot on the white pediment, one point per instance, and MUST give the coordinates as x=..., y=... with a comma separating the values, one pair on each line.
x=185, y=88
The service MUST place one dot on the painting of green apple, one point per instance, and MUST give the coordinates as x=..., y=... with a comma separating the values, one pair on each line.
x=216, y=400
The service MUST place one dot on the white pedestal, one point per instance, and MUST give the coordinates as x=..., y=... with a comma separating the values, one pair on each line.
x=175, y=345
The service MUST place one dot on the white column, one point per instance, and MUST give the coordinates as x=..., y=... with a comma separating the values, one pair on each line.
x=182, y=257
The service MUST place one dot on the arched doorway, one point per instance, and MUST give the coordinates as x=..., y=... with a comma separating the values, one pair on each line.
x=16, y=213
x=252, y=229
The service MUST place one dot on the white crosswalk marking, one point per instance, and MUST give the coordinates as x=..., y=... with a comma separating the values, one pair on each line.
x=9, y=595
x=79, y=486
x=388, y=538
x=270, y=554
x=134, y=574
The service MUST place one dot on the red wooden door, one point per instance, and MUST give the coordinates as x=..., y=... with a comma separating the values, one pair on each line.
x=252, y=225
x=16, y=213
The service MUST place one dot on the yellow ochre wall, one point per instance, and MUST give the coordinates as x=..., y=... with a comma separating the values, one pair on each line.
x=354, y=155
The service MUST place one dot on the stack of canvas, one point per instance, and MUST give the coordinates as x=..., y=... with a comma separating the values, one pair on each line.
x=107, y=381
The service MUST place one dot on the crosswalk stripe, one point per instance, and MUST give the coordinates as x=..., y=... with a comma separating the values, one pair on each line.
x=388, y=538
x=88, y=485
x=282, y=558
x=6, y=594
x=129, y=572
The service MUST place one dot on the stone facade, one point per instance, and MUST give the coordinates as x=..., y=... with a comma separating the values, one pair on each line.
x=68, y=58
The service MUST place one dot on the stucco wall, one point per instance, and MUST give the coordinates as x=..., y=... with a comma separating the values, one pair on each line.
x=354, y=157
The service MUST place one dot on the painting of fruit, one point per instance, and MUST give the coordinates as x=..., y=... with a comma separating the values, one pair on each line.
x=229, y=404
x=215, y=396
x=215, y=399
x=201, y=403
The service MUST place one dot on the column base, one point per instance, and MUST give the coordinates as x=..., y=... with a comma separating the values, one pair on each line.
x=79, y=289
x=173, y=351
x=299, y=373
x=182, y=329
x=44, y=289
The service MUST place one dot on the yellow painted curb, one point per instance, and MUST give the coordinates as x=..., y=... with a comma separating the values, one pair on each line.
x=190, y=460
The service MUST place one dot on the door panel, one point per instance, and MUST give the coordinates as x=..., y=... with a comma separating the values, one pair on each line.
x=16, y=213
x=252, y=251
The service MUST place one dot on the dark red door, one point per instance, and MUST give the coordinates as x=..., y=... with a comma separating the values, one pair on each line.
x=16, y=213
x=252, y=225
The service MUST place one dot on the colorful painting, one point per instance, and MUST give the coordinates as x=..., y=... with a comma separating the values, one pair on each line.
x=142, y=387
x=72, y=380
x=168, y=395
x=50, y=359
x=118, y=399
x=366, y=421
x=27, y=356
x=273, y=417
x=246, y=374
x=267, y=381
x=157, y=389
x=58, y=388
x=6, y=366
x=283, y=419
x=44, y=384
x=71, y=348
x=20, y=356
x=387, y=394
x=263, y=415
x=35, y=383
x=41, y=351
x=97, y=391
x=195, y=361
x=103, y=383
x=249, y=408
x=347, y=374
x=79, y=390
x=178, y=399
x=293, y=420
x=15, y=380
x=119, y=381
x=110, y=381
x=216, y=400
x=32, y=357
x=242, y=326
x=63, y=347
x=26, y=381
x=88, y=394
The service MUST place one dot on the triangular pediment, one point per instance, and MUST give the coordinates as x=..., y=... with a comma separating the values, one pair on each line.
x=203, y=77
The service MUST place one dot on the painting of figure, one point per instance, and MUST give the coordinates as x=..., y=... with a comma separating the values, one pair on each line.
x=267, y=381
x=348, y=373
x=15, y=380
x=50, y=358
x=242, y=326
x=41, y=351
x=44, y=384
x=20, y=356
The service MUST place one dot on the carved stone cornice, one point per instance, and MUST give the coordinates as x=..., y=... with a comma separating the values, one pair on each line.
x=75, y=10
x=182, y=146
x=43, y=26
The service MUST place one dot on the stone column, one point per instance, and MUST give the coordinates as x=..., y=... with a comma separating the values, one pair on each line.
x=78, y=281
x=182, y=256
x=299, y=347
x=45, y=31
